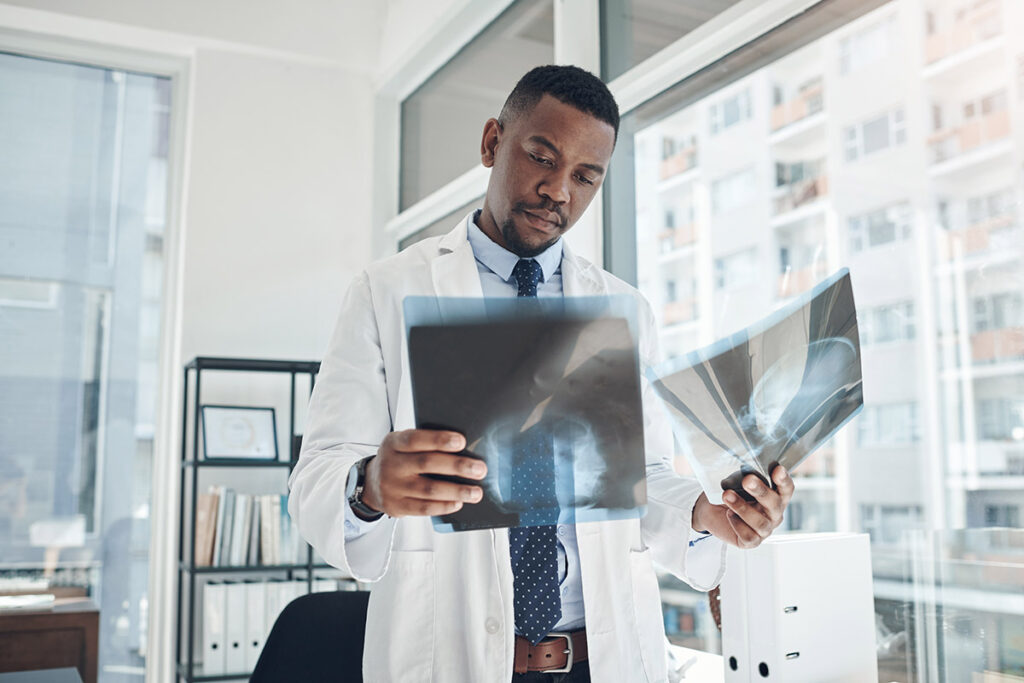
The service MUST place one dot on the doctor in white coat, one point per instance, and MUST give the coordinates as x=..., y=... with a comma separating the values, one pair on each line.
x=442, y=605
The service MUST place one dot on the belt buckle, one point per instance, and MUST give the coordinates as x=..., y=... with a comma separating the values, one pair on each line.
x=568, y=653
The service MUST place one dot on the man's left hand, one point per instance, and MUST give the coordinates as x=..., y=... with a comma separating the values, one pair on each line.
x=741, y=523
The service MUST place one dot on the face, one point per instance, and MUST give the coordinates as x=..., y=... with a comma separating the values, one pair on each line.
x=546, y=167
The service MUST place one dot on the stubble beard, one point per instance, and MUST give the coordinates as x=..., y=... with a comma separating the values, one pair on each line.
x=515, y=244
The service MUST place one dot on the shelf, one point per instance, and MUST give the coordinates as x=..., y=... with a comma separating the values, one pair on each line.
x=250, y=568
x=253, y=364
x=231, y=462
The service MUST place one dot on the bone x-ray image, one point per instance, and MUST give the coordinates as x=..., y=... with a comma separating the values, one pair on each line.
x=546, y=391
x=771, y=393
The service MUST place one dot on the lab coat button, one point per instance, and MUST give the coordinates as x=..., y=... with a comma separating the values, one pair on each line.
x=492, y=625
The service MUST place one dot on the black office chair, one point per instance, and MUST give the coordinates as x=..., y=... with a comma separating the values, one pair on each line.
x=317, y=637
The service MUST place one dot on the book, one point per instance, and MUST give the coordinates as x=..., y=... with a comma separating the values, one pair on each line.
x=266, y=532
x=224, y=540
x=253, y=556
x=218, y=531
x=769, y=394
x=275, y=528
x=238, y=535
x=206, y=523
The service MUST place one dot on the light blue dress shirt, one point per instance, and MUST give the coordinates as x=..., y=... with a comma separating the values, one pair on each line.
x=494, y=264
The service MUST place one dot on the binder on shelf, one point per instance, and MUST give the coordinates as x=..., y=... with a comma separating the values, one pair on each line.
x=275, y=528
x=214, y=607
x=255, y=622
x=266, y=532
x=236, y=632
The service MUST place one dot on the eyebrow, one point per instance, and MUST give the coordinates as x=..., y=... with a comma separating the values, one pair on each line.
x=541, y=140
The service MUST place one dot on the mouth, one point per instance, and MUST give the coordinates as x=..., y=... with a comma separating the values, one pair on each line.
x=546, y=221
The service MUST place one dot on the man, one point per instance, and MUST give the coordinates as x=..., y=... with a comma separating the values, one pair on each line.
x=468, y=606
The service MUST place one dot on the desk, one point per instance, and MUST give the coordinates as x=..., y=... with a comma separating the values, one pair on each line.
x=66, y=635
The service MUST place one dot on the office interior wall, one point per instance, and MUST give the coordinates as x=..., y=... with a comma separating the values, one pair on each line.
x=338, y=32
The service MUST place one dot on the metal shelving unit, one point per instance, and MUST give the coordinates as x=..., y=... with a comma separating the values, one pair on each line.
x=185, y=655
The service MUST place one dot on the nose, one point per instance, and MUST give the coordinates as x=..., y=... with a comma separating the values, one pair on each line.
x=555, y=187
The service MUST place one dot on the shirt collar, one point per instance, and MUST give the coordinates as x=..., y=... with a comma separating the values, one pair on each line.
x=501, y=261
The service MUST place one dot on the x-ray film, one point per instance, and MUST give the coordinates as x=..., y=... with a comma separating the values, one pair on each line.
x=546, y=392
x=771, y=393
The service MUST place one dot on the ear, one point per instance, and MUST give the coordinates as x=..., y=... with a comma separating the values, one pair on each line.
x=489, y=143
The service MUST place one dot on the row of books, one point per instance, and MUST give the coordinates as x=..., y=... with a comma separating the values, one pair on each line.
x=240, y=529
x=237, y=617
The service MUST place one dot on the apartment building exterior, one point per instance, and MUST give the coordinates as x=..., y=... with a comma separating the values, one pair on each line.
x=893, y=146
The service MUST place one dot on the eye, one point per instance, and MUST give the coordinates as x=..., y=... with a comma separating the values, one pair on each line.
x=539, y=159
x=584, y=179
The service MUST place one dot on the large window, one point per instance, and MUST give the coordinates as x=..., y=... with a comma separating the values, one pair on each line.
x=443, y=121
x=846, y=167
x=82, y=206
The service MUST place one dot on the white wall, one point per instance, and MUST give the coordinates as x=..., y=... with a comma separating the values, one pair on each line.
x=278, y=209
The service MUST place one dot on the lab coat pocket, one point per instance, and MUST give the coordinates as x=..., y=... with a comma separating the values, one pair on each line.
x=400, y=620
x=650, y=625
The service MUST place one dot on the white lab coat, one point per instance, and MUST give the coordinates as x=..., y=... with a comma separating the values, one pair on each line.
x=441, y=609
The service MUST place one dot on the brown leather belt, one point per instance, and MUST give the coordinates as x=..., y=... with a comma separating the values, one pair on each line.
x=556, y=653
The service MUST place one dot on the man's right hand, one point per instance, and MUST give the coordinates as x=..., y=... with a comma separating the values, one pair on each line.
x=394, y=481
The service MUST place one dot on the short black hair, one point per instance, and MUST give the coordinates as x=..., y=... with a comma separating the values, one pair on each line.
x=568, y=84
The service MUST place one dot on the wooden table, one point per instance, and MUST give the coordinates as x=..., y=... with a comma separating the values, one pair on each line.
x=66, y=635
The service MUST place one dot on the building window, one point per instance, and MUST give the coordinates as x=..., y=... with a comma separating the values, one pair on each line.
x=733, y=191
x=1001, y=419
x=874, y=135
x=868, y=46
x=892, y=424
x=1004, y=515
x=887, y=523
x=998, y=311
x=883, y=324
x=732, y=110
x=736, y=270
x=879, y=227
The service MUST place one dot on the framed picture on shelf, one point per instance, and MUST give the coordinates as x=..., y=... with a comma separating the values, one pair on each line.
x=239, y=432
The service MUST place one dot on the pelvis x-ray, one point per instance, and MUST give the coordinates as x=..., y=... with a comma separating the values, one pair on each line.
x=771, y=393
x=546, y=391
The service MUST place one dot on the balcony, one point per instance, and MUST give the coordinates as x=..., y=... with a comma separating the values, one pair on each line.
x=677, y=312
x=994, y=346
x=799, y=280
x=680, y=162
x=796, y=194
x=952, y=142
x=809, y=101
x=981, y=21
x=677, y=238
x=994, y=235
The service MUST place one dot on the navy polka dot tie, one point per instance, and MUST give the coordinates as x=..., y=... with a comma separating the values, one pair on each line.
x=534, y=549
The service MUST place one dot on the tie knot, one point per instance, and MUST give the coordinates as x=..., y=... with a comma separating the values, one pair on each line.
x=527, y=274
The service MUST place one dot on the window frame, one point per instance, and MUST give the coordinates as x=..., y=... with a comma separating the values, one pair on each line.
x=126, y=51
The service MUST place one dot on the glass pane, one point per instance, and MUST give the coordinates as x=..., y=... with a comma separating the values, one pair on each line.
x=82, y=205
x=441, y=226
x=633, y=30
x=846, y=169
x=443, y=121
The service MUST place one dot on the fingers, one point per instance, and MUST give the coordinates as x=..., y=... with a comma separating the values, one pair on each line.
x=441, y=463
x=750, y=520
x=420, y=440
x=427, y=508
x=783, y=483
x=406, y=475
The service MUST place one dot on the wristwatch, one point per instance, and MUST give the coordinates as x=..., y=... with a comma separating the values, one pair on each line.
x=362, y=510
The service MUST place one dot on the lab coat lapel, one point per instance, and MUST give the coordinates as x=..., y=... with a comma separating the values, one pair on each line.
x=454, y=271
x=579, y=277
